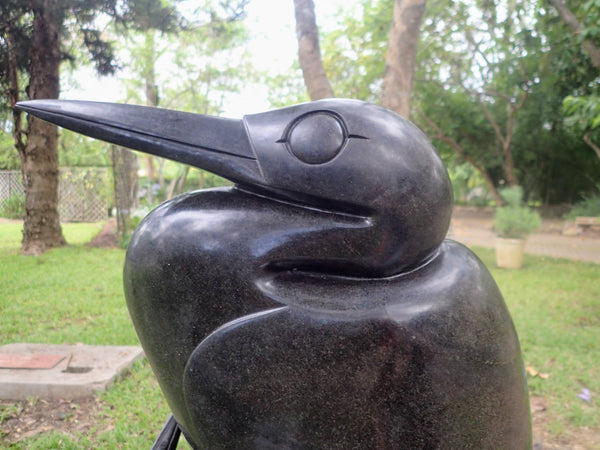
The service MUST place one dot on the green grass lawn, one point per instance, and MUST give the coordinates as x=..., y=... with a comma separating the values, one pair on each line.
x=70, y=295
x=555, y=305
x=74, y=294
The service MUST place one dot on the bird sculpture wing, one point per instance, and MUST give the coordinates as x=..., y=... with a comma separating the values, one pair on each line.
x=314, y=372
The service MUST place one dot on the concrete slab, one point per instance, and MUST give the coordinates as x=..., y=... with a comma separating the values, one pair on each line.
x=84, y=370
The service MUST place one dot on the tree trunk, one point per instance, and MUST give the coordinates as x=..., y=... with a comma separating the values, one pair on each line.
x=125, y=164
x=309, y=52
x=41, y=228
x=401, y=55
x=569, y=18
x=151, y=100
x=13, y=93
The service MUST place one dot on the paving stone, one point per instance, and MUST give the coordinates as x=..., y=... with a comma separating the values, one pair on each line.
x=82, y=371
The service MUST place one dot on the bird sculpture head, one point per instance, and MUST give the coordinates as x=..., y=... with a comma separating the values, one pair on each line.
x=344, y=156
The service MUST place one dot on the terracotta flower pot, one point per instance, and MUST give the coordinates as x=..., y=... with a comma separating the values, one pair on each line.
x=509, y=252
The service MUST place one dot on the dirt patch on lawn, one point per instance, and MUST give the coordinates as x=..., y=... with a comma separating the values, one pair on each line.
x=574, y=438
x=107, y=237
x=21, y=420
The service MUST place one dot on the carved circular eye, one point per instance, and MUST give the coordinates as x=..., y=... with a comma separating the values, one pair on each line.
x=317, y=138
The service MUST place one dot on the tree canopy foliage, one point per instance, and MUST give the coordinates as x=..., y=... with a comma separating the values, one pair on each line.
x=582, y=107
x=191, y=70
x=508, y=91
x=489, y=86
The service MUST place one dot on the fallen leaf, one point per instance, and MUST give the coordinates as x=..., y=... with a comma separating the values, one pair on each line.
x=535, y=373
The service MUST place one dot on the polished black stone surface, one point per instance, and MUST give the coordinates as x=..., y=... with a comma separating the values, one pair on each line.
x=315, y=304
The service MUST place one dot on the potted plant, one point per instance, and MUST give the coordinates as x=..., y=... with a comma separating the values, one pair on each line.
x=513, y=222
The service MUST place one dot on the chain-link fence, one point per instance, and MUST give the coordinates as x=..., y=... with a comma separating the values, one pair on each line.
x=12, y=194
x=83, y=194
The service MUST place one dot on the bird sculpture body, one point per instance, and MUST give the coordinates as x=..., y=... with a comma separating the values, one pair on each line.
x=316, y=303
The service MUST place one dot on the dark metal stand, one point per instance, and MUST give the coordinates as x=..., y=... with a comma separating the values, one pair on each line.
x=169, y=436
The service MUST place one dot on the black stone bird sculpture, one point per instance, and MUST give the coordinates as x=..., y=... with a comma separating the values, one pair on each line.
x=316, y=303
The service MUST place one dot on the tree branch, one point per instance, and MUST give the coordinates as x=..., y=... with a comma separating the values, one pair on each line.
x=492, y=122
x=509, y=163
x=571, y=21
x=512, y=111
x=440, y=136
x=588, y=140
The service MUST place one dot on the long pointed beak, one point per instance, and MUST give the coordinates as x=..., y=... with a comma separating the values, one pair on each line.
x=218, y=145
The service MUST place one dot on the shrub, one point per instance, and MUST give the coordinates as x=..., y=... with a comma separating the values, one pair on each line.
x=130, y=226
x=13, y=207
x=588, y=207
x=514, y=220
